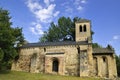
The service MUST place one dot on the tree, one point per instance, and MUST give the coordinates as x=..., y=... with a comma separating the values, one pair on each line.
x=1, y=54
x=96, y=45
x=58, y=32
x=10, y=39
x=118, y=64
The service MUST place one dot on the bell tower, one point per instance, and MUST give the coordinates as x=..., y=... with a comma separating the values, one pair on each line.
x=83, y=30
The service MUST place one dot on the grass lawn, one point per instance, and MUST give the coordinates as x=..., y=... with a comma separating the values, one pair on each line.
x=16, y=75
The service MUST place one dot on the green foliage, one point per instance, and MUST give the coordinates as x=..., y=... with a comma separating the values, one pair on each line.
x=10, y=39
x=56, y=32
x=118, y=64
x=1, y=54
x=96, y=45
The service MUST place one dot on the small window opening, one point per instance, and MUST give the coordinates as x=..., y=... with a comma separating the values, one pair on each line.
x=85, y=28
x=80, y=28
x=104, y=59
x=44, y=49
x=78, y=49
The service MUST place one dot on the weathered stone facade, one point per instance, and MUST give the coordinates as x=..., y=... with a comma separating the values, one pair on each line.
x=76, y=58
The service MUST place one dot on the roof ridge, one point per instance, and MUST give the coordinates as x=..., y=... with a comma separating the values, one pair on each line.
x=53, y=44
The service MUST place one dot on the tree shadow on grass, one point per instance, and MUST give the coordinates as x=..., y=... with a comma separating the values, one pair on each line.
x=4, y=71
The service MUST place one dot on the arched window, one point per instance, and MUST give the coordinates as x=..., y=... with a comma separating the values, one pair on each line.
x=85, y=28
x=78, y=49
x=44, y=49
x=104, y=59
x=55, y=65
x=80, y=28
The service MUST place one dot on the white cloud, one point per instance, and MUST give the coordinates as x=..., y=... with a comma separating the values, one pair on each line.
x=83, y=1
x=67, y=5
x=56, y=13
x=33, y=5
x=43, y=14
x=45, y=11
x=79, y=4
x=73, y=5
x=36, y=28
x=46, y=14
x=47, y=2
x=69, y=9
x=116, y=37
x=79, y=8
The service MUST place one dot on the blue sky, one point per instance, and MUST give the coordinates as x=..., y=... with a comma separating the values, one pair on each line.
x=34, y=17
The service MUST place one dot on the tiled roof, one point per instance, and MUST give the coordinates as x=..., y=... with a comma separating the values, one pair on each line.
x=54, y=44
x=83, y=20
x=102, y=50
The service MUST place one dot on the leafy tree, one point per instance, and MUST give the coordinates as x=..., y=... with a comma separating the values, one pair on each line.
x=118, y=64
x=96, y=45
x=64, y=27
x=10, y=39
x=1, y=54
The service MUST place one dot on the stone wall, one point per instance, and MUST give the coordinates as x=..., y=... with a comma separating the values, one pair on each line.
x=75, y=60
x=86, y=60
x=30, y=60
x=39, y=59
x=104, y=65
x=22, y=64
x=68, y=59
x=82, y=35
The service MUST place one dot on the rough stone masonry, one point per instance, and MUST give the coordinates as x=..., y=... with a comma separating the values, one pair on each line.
x=75, y=58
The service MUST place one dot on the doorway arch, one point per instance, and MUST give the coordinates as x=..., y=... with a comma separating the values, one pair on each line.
x=55, y=65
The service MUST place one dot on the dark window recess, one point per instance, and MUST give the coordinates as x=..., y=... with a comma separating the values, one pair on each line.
x=55, y=66
x=85, y=28
x=78, y=49
x=80, y=28
x=104, y=59
x=44, y=49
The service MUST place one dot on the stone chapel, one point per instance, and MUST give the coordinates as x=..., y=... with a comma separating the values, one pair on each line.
x=75, y=58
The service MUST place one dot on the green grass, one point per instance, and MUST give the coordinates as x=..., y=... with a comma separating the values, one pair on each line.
x=16, y=75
